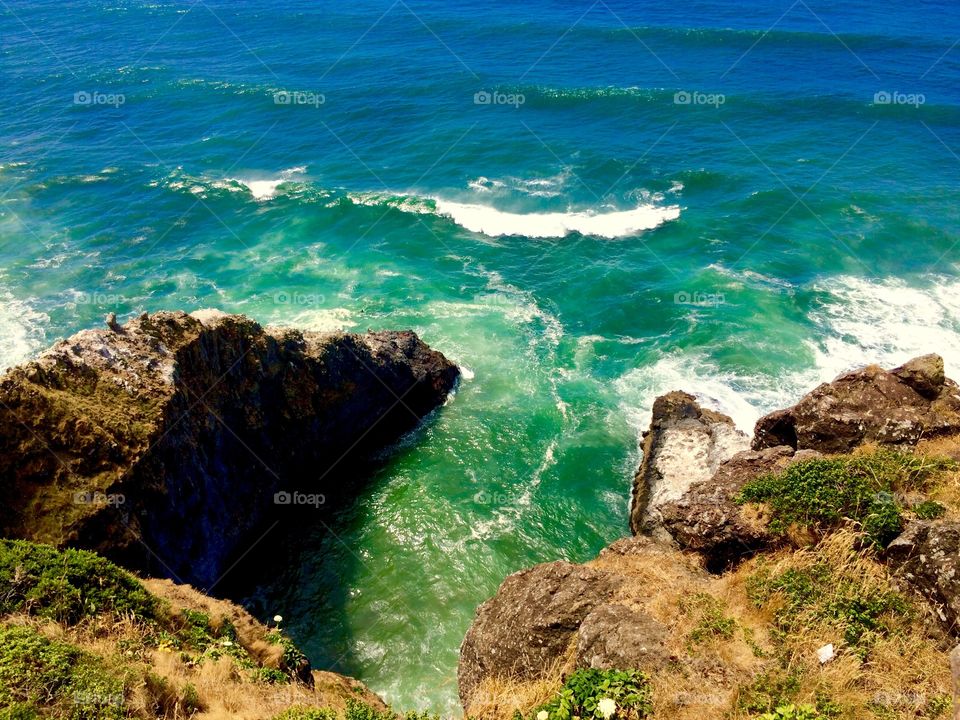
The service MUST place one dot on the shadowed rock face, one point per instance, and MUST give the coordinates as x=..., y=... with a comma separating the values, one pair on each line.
x=894, y=407
x=162, y=444
x=684, y=445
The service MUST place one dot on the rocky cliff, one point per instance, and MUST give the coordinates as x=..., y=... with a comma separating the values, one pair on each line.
x=169, y=443
x=812, y=571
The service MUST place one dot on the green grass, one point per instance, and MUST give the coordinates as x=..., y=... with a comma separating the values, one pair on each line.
x=712, y=623
x=858, y=611
x=42, y=678
x=823, y=493
x=68, y=585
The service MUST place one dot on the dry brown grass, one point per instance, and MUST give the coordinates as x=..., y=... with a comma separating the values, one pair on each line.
x=499, y=698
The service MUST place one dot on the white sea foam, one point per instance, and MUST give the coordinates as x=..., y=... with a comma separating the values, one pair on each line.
x=857, y=323
x=22, y=330
x=264, y=189
x=613, y=224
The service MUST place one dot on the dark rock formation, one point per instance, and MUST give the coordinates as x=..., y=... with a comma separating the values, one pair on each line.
x=168, y=443
x=706, y=519
x=927, y=557
x=684, y=445
x=523, y=629
x=894, y=407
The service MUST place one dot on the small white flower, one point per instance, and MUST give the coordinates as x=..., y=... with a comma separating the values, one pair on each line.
x=543, y=715
x=607, y=707
x=278, y=618
x=227, y=643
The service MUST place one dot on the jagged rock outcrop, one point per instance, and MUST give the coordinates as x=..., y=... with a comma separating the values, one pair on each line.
x=684, y=445
x=893, y=407
x=707, y=518
x=164, y=444
x=560, y=616
x=926, y=556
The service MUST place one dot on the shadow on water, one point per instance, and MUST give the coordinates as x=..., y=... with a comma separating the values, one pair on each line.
x=305, y=566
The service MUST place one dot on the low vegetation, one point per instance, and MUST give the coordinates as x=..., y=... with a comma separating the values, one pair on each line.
x=604, y=694
x=867, y=489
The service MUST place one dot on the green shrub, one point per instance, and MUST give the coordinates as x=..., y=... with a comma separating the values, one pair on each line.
x=824, y=492
x=357, y=710
x=929, y=510
x=45, y=678
x=67, y=585
x=792, y=712
x=305, y=713
x=586, y=692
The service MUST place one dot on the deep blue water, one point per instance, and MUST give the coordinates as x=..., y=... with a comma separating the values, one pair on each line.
x=524, y=185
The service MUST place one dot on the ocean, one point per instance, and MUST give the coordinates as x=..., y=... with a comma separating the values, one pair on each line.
x=583, y=204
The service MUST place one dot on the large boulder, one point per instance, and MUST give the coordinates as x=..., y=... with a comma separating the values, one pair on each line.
x=926, y=556
x=529, y=624
x=708, y=520
x=614, y=636
x=684, y=445
x=168, y=443
x=895, y=407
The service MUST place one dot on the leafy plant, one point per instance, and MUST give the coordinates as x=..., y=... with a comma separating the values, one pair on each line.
x=929, y=510
x=824, y=492
x=305, y=713
x=592, y=693
x=792, y=712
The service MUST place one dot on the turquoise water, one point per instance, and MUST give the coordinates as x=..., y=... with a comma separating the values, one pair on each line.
x=333, y=166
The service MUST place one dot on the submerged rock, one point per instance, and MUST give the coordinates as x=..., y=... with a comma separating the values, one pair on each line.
x=684, y=445
x=893, y=407
x=167, y=445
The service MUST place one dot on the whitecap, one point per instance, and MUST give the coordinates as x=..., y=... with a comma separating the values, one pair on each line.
x=613, y=224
